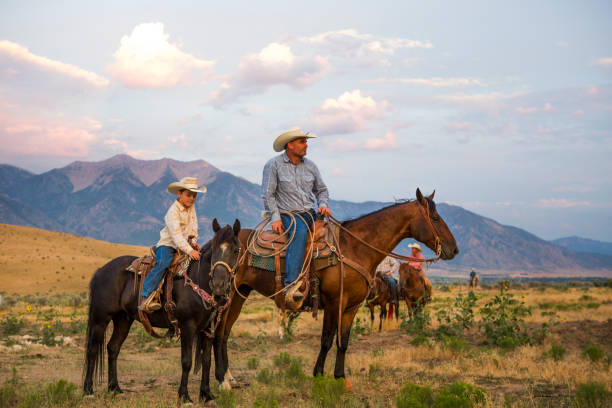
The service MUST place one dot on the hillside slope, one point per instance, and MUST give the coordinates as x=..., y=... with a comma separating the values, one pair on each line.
x=34, y=260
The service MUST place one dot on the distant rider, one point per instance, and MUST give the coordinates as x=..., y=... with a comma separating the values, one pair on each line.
x=293, y=183
x=181, y=225
x=389, y=269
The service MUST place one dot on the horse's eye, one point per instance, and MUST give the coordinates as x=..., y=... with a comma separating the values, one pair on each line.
x=435, y=218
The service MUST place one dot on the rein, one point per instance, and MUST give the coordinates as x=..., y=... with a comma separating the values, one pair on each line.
x=392, y=254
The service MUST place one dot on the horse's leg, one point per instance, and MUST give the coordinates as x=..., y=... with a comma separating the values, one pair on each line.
x=96, y=330
x=121, y=327
x=382, y=315
x=206, y=357
x=345, y=330
x=188, y=331
x=327, y=338
x=222, y=372
x=371, y=307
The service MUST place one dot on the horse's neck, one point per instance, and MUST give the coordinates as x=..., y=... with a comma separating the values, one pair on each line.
x=383, y=230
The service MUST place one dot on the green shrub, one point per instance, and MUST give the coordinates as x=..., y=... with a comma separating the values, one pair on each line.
x=592, y=395
x=503, y=319
x=586, y=298
x=460, y=395
x=593, y=352
x=252, y=363
x=282, y=360
x=455, y=344
x=295, y=370
x=266, y=401
x=226, y=399
x=420, y=340
x=378, y=351
x=265, y=376
x=556, y=352
x=414, y=396
x=417, y=322
x=592, y=305
x=508, y=343
x=8, y=396
x=62, y=394
x=359, y=328
x=11, y=325
x=326, y=391
x=374, y=370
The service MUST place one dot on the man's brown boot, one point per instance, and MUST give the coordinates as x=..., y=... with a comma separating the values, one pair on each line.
x=149, y=304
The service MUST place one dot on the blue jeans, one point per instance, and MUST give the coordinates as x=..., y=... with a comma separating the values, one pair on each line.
x=163, y=258
x=295, y=250
x=393, y=284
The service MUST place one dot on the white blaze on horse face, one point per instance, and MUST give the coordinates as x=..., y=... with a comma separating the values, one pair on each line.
x=223, y=247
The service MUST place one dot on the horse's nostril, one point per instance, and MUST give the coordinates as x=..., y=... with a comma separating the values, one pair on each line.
x=456, y=250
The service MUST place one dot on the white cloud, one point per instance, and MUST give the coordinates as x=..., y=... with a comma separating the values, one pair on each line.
x=274, y=64
x=381, y=143
x=22, y=55
x=561, y=203
x=437, y=82
x=526, y=111
x=358, y=47
x=146, y=59
x=458, y=127
x=604, y=62
x=349, y=113
x=479, y=98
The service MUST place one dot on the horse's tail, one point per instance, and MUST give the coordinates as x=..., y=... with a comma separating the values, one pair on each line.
x=94, y=347
x=199, y=352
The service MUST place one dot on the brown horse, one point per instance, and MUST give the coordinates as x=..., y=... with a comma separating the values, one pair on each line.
x=414, y=287
x=380, y=295
x=382, y=229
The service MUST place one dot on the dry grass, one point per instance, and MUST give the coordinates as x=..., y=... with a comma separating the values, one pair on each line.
x=378, y=364
x=35, y=260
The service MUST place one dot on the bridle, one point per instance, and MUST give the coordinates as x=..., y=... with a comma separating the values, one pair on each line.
x=437, y=241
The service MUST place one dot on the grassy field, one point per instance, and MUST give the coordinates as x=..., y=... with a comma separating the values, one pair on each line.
x=452, y=360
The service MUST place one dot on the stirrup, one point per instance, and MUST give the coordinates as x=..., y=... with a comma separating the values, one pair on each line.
x=150, y=304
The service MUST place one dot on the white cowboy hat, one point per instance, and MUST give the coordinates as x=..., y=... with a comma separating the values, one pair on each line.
x=186, y=183
x=417, y=246
x=289, y=136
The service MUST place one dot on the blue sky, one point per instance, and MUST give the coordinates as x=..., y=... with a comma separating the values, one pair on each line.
x=505, y=108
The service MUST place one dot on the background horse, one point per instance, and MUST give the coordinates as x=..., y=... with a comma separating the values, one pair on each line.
x=380, y=295
x=112, y=297
x=383, y=229
x=414, y=288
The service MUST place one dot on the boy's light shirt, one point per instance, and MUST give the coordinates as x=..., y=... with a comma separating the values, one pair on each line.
x=181, y=222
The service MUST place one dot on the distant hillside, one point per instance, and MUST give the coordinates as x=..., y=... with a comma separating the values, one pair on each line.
x=123, y=199
x=585, y=245
x=34, y=260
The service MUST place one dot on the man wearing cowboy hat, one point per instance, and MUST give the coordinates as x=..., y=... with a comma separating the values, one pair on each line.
x=417, y=252
x=181, y=226
x=293, y=183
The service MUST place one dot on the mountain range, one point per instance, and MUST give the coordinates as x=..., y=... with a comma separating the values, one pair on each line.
x=123, y=199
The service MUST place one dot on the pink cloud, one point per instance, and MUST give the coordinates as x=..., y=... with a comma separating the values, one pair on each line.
x=22, y=55
x=526, y=111
x=593, y=91
x=437, y=82
x=458, y=127
x=146, y=59
x=40, y=136
x=382, y=143
x=275, y=64
x=342, y=145
x=350, y=112
x=604, y=62
x=579, y=112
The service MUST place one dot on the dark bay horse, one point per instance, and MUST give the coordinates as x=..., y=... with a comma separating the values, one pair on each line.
x=380, y=295
x=414, y=287
x=383, y=229
x=112, y=297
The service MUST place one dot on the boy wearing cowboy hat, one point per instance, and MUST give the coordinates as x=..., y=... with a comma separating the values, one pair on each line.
x=181, y=224
x=417, y=252
x=291, y=182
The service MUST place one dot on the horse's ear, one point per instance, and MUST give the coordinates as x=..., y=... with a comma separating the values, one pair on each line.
x=419, y=196
x=216, y=226
x=236, y=227
x=432, y=195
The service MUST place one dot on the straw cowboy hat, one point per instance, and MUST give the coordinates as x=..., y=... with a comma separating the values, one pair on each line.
x=417, y=246
x=289, y=136
x=186, y=183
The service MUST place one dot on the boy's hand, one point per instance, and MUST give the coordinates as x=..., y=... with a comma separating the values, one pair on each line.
x=196, y=246
x=195, y=255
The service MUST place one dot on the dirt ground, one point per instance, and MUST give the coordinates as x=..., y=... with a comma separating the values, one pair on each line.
x=378, y=364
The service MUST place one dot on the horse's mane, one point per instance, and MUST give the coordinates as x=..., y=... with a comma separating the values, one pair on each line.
x=432, y=208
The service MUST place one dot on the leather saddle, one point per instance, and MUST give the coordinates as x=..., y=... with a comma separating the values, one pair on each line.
x=269, y=242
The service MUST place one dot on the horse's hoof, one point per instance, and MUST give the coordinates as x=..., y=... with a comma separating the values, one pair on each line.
x=348, y=387
x=225, y=385
x=115, y=388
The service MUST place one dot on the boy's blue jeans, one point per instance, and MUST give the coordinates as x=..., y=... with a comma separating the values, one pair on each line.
x=393, y=284
x=295, y=250
x=163, y=258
